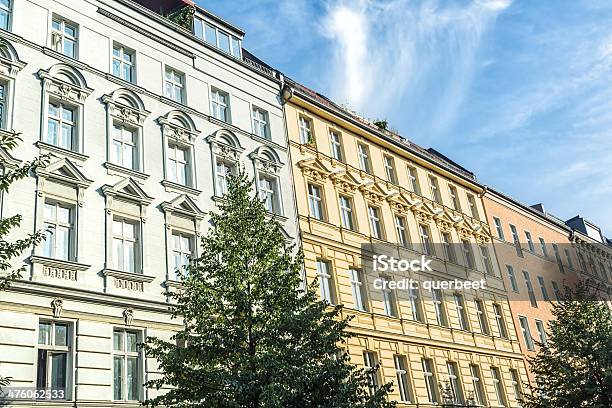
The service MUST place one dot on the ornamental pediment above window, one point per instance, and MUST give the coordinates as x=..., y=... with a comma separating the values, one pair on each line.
x=226, y=145
x=398, y=202
x=266, y=160
x=63, y=170
x=345, y=181
x=65, y=83
x=126, y=107
x=179, y=127
x=10, y=64
x=314, y=169
x=373, y=192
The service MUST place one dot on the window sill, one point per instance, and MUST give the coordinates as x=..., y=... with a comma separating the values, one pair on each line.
x=130, y=276
x=173, y=284
x=116, y=170
x=58, y=263
x=49, y=148
x=173, y=187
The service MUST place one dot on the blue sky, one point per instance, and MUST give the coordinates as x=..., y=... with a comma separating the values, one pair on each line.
x=518, y=91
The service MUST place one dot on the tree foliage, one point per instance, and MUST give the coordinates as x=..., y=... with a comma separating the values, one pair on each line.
x=252, y=338
x=574, y=370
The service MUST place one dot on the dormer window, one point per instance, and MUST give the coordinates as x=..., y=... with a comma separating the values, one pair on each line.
x=217, y=37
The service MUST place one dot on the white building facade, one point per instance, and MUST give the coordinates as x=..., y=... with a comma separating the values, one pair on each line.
x=143, y=120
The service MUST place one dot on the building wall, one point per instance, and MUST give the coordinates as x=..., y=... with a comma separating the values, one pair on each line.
x=327, y=240
x=86, y=291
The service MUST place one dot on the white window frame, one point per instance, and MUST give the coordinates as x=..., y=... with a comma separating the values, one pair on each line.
x=4, y=91
x=269, y=193
x=498, y=386
x=125, y=355
x=543, y=247
x=454, y=197
x=464, y=322
x=358, y=288
x=389, y=164
x=183, y=255
x=481, y=314
x=60, y=122
x=233, y=40
x=121, y=129
x=402, y=231
x=119, y=264
x=172, y=147
x=306, y=130
x=363, y=152
x=335, y=141
x=370, y=361
x=500, y=320
x=346, y=212
x=374, y=217
x=486, y=260
x=512, y=278
x=430, y=380
x=516, y=385
x=413, y=180
x=7, y=11
x=52, y=348
x=175, y=83
x=455, y=381
x=499, y=228
x=403, y=378
x=425, y=233
x=53, y=225
x=529, y=241
x=478, y=385
x=473, y=206
x=541, y=329
x=543, y=288
x=416, y=306
x=389, y=303
x=123, y=63
x=217, y=106
x=58, y=37
x=316, y=202
x=437, y=298
x=449, y=250
x=326, y=282
x=468, y=253
x=260, y=120
x=223, y=169
x=434, y=189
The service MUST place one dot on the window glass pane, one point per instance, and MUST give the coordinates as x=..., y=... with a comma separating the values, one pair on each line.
x=62, y=241
x=41, y=369
x=69, y=30
x=211, y=35
x=132, y=340
x=44, y=333
x=58, y=370
x=128, y=262
x=224, y=42
x=128, y=230
x=235, y=47
x=118, y=378
x=61, y=335
x=56, y=25
x=118, y=341
x=132, y=378
x=69, y=48
x=198, y=28
x=4, y=18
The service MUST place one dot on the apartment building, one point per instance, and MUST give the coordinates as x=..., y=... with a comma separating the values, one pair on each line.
x=143, y=117
x=361, y=192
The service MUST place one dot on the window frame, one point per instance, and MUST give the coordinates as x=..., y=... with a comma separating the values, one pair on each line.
x=49, y=349
x=403, y=378
x=60, y=121
x=530, y=290
x=434, y=189
x=8, y=11
x=426, y=242
x=260, y=121
x=468, y=254
x=462, y=314
x=541, y=329
x=499, y=228
x=389, y=164
x=182, y=254
x=481, y=314
x=370, y=361
x=175, y=84
x=529, y=241
x=54, y=224
x=125, y=355
x=512, y=278
x=498, y=386
x=63, y=36
x=389, y=298
x=347, y=211
x=401, y=229
x=454, y=197
x=526, y=331
x=123, y=51
x=478, y=385
x=413, y=179
x=437, y=298
x=376, y=223
x=232, y=38
x=316, y=202
x=336, y=146
x=217, y=105
x=136, y=241
x=449, y=250
x=500, y=321
x=326, y=290
x=454, y=380
x=429, y=375
x=473, y=206
x=363, y=155
x=358, y=287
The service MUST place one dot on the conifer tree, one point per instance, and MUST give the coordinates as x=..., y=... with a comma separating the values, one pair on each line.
x=251, y=337
x=574, y=368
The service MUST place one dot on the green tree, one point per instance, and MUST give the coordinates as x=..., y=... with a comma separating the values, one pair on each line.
x=9, y=250
x=574, y=370
x=252, y=338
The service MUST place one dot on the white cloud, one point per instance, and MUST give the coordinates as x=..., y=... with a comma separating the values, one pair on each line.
x=386, y=51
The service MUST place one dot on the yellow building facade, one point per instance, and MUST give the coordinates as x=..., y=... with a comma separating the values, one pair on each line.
x=363, y=192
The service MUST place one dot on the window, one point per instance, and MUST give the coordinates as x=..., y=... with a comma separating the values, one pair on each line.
x=430, y=380
x=124, y=147
x=54, y=356
x=403, y=381
x=260, y=123
x=479, y=394
x=125, y=245
x=179, y=166
x=449, y=250
x=543, y=246
x=558, y=258
x=499, y=320
x=499, y=228
x=315, y=201
x=5, y=14
x=461, y=312
x=438, y=301
x=375, y=224
x=359, y=289
x=468, y=254
x=61, y=126
x=224, y=170
x=530, y=291
x=529, y=241
x=64, y=37
x=400, y=228
x=512, y=278
x=216, y=37
x=369, y=361
x=500, y=394
x=306, y=136
x=481, y=313
x=60, y=241
x=3, y=104
x=541, y=332
x=325, y=282
x=268, y=189
x=556, y=290
x=486, y=259
x=388, y=298
x=426, y=239
x=126, y=365
x=517, y=242
x=570, y=263
x=364, y=158
x=390, y=169
x=526, y=332
x=454, y=382
x=435, y=190
x=415, y=304
x=452, y=191
x=543, y=289
x=472, y=206
x=175, y=85
x=413, y=181
x=219, y=105
x=335, y=141
x=124, y=63
x=346, y=212
x=516, y=385
x=182, y=251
